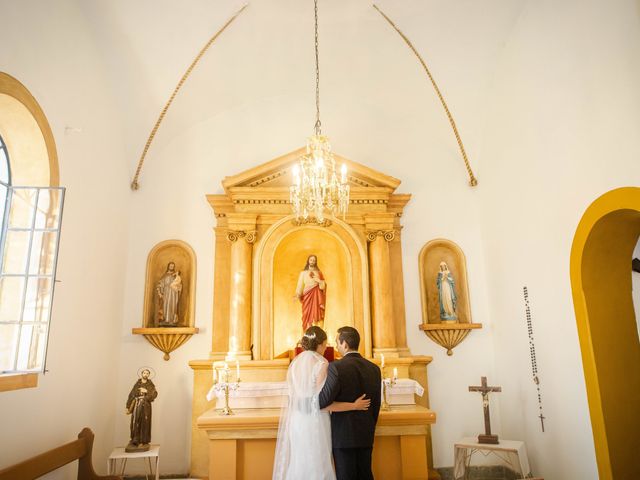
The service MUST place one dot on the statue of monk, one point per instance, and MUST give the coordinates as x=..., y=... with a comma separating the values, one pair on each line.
x=139, y=407
x=312, y=293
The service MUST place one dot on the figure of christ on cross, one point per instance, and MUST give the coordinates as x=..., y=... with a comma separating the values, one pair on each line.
x=484, y=389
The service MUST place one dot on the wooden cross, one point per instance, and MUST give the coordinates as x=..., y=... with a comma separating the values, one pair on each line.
x=484, y=390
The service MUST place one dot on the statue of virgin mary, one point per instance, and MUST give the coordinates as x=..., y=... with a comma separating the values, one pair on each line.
x=446, y=294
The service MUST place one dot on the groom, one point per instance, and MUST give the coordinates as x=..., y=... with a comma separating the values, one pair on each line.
x=352, y=432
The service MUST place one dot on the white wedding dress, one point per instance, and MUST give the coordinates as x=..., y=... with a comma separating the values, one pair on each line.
x=303, y=451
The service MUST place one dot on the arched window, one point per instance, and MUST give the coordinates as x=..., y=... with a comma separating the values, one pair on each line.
x=5, y=178
x=31, y=212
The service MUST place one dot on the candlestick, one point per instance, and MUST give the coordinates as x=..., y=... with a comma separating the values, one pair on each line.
x=225, y=386
x=386, y=383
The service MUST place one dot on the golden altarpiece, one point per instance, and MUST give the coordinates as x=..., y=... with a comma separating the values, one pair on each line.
x=259, y=252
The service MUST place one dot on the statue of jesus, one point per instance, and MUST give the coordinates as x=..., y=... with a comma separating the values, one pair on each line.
x=312, y=293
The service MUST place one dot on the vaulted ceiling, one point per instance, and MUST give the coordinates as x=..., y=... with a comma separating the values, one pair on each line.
x=266, y=55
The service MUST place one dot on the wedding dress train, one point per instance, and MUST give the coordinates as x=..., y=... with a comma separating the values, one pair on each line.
x=303, y=450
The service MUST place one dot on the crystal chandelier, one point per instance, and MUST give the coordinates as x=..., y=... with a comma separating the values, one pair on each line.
x=316, y=184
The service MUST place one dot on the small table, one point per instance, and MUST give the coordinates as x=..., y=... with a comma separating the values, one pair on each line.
x=512, y=452
x=119, y=454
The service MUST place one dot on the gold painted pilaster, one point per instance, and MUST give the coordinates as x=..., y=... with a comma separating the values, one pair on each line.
x=242, y=235
x=380, y=232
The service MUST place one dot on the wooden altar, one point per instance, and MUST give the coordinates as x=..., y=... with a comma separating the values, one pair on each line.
x=260, y=250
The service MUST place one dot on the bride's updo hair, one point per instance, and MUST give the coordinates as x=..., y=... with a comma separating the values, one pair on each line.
x=312, y=338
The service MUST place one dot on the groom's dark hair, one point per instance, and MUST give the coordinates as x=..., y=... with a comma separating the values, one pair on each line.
x=349, y=335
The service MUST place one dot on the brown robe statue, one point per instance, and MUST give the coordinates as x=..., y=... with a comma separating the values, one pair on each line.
x=139, y=407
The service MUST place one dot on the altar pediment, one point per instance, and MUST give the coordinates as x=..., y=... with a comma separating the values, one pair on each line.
x=269, y=183
x=277, y=174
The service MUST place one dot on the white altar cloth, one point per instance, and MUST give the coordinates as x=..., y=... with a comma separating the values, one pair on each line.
x=274, y=394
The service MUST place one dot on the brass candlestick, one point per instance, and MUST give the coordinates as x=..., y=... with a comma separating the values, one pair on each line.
x=225, y=386
x=386, y=383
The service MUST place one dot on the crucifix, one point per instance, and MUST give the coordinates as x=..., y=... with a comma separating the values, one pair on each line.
x=484, y=390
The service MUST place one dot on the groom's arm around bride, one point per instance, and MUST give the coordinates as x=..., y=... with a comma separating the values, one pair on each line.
x=352, y=432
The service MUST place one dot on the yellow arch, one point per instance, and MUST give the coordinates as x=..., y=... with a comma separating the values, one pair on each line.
x=601, y=286
x=29, y=139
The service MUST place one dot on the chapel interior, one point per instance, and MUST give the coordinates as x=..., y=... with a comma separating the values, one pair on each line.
x=486, y=157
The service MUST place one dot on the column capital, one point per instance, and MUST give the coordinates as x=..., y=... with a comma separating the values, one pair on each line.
x=388, y=235
x=249, y=236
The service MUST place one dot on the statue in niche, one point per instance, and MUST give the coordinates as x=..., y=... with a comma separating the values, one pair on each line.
x=139, y=407
x=446, y=294
x=312, y=294
x=168, y=291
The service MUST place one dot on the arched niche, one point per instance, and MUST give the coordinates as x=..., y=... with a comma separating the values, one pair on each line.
x=601, y=285
x=431, y=256
x=446, y=333
x=280, y=256
x=184, y=257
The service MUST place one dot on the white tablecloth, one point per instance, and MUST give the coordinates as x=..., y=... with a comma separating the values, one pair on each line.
x=399, y=394
x=512, y=452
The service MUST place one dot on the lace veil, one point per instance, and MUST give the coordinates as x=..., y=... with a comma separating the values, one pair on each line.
x=303, y=449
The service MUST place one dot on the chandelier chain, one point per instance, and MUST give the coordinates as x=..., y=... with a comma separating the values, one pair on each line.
x=318, y=125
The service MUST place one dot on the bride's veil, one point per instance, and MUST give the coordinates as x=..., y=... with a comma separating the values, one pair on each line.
x=304, y=435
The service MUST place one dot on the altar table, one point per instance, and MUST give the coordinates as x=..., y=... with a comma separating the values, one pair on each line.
x=242, y=446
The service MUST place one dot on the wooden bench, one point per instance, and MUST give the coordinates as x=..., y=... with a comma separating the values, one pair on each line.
x=58, y=457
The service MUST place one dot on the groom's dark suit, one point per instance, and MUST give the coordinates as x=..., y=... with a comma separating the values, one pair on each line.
x=352, y=432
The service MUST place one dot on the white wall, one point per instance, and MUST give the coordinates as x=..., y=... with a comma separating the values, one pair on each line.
x=559, y=133
x=240, y=108
x=47, y=48
x=543, y=93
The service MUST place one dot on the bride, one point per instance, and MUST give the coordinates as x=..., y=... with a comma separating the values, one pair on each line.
x=303, y=450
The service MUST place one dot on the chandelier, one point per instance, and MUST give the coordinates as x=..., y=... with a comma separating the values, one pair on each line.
x=317, y=187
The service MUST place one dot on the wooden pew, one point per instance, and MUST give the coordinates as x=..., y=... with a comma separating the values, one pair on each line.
x=44, y=463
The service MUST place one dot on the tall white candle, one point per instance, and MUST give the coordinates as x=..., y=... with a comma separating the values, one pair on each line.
x=395, y=373
x=213, y=369
x=237, y=371
x=382, y=360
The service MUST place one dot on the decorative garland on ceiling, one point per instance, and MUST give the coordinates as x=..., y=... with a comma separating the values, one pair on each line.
x=134, y=183
x=472, y=179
